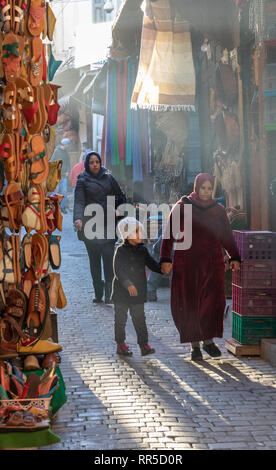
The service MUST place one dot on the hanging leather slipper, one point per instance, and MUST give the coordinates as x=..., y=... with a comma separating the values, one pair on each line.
x=51, y=103
x=54, y=251
x=36, y=65
x=8, y=156
x=38, y=310
x=51, y=21
x=12, y=50
x=37, y=17
x=54, y=175
x=6, y=12
x=39, y=254
x=14, y=200
x=49, y=135
x=25, y=94
x=33, y=217
x=15, y=241
x=14, y=316
x=39, y=164
x=57, y=198
x=61, y=300
x=43, y=109
x=18, y=15
x=32, y=114
x=27, y=250
x=11, y=111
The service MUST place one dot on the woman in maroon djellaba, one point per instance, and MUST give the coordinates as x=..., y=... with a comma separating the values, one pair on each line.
x=198, y=274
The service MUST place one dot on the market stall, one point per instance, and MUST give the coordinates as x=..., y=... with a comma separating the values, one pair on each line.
x=31, y=383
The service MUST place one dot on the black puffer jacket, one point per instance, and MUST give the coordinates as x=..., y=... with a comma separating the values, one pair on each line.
x=129, y=265
x=94, y=189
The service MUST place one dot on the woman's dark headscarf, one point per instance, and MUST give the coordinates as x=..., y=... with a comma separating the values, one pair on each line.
x=87, y=156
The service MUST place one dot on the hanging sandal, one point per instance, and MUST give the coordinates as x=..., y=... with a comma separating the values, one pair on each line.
x=6, y=12
x=37, y=17
x=49, y=135
x=12, y=49
x=27, y=250
x=8, y=157
x=51, y=103
x=39, y=164
x=38, y=310
x=33, y=217
x=54, y=251
x=36, y=65
x=18, y=15
x=40, y=254
x=14, y=200
x=11, y=111
x=14, y=316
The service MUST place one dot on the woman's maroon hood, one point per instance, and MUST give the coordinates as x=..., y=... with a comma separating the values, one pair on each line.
x=199, y=181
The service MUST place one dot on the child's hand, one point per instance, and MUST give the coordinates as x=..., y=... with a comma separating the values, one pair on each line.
x=132, y=291
x=166, y=268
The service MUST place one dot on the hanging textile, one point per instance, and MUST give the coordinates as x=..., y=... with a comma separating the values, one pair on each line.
x=165, y=78
x=126, y=133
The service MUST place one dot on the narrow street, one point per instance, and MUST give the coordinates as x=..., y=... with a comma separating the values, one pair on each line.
x=163, y=401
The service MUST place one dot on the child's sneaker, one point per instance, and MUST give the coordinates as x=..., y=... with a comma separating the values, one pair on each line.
x=147, y=349
x=123, y=349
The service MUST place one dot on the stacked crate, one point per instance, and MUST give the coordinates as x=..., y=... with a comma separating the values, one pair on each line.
x=254, y=288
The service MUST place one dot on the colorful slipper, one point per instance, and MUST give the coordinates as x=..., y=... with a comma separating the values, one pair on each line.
x=14, y=200
x=8, y=157
x=11, y=112
x=27, y=250
x=12, y=50
x=51, y=22
x=33, y=217
x=54, y=251
x=38, y=309
x=38, y=159
x=37, y=17
x=36, y=66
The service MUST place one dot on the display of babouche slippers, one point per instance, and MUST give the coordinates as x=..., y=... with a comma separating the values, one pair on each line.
x=29, y=290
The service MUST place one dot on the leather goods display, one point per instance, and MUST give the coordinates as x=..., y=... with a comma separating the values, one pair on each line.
x=28, y=111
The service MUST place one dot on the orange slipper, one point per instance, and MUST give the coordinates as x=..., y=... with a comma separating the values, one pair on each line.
x=37, y=17
x=11, y=111
x=14, y=200
x=51, y=104
x=12, y=50
x=33, y=217
x=32, y=114
x=38, y=159
x=36, y=68
x=8, y=156
x=40, y=256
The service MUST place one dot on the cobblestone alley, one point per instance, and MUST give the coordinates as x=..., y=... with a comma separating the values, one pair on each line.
x=162, y=401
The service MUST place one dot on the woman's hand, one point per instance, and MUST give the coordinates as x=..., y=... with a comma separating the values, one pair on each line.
x=132, y=291
x=166, y=268
x=78, y=224
x=235, y=265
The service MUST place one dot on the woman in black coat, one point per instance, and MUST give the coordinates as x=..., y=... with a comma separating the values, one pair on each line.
x=93, y=187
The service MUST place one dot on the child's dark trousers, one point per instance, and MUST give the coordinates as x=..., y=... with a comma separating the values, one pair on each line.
x=138, y=316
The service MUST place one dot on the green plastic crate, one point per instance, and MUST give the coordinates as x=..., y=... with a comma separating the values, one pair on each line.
x=250, y=330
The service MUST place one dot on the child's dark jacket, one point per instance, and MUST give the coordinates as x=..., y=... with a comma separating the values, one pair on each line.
x=129, y=265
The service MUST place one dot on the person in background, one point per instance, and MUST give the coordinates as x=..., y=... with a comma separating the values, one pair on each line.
x=94, y=185
x=198, y=273
x=61, y=153
x=129, y=290
x=78, y=168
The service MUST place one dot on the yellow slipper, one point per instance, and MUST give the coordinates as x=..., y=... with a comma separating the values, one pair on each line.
x=42, y=346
